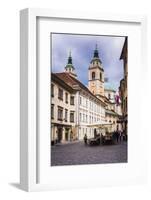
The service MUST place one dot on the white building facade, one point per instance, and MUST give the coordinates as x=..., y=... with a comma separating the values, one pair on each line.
x=91, y=111
x=88, y=108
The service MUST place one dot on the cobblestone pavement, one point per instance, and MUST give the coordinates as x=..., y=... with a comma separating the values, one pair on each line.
x=77, y=153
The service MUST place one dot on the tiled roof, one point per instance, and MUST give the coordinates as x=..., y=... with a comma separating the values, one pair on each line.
x=72, y=82
x=57, y=79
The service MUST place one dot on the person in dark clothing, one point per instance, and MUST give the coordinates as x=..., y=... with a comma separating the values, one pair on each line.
x=114, y=136
x=117, y=136
x=95, y=133
x=85, y=139
x=120, y=135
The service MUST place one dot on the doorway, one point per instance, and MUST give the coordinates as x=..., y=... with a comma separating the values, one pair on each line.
x=59, y=135
x=66, y=134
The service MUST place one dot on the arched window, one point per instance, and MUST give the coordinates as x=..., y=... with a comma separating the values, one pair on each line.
x=101, y=76
x=93, y=75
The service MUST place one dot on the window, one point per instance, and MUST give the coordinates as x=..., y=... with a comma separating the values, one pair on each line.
x=80, y=100
x=80, y=117
x=86, y=118
x=86, y=103
x=66, y=96
x=60, y=94
x=93, y=75
x=66, y=115
x=60, y=113
x=101, y=76
x=52, y=111
x=72, y=116
x=71, y=100
x=52, y=90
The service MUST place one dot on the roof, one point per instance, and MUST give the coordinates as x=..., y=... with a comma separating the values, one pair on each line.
x=106, y=99
x=73, y=82
x=124, y=49
x=109, y=86
x=61, y=82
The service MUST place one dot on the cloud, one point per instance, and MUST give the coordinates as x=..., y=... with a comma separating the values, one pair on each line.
x=82, y=48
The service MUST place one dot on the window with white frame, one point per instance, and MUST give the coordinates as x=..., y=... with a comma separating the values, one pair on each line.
x=60, y=93
x=71, y=100
x=52, y=111
x=72, y=116
x=60, y=113
x=80, y=100
x=66, y=115
x=80, y=117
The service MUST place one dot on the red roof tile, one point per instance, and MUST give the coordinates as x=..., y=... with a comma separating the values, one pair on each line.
x=71, y=81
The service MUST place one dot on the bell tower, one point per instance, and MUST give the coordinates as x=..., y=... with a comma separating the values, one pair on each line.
x=96, y=75
x=69, y=67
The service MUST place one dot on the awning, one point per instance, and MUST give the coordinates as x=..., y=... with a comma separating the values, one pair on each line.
x=110, y=112
x=100, y=124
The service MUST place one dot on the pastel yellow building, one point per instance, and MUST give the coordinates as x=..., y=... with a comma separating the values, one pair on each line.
x=62, y=111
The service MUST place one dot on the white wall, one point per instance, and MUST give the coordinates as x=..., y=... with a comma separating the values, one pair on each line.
x=9, y=101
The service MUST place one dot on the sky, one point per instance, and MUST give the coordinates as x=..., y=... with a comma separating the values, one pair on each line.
x=82, y=48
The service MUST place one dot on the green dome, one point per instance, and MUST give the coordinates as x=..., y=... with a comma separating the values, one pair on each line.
x=109, y=86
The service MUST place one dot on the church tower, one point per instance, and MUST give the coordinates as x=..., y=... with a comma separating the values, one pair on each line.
x=96, y=75
x=69, y=67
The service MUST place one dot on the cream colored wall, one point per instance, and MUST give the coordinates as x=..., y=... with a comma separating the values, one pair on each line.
x=96, y=86
x=57, y=102
x=97, y=73
x=112, y=94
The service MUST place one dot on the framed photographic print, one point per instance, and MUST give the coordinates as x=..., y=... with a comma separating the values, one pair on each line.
x=82, y=77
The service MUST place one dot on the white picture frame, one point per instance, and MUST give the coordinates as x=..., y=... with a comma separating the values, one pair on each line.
x=29, y=148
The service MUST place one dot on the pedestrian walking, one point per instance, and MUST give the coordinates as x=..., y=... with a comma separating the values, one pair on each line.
x=120, y=135
x=117, y=136
x=85, y=139
x=95, y=133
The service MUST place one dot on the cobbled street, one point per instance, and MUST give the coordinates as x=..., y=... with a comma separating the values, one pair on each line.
x=77, y=153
